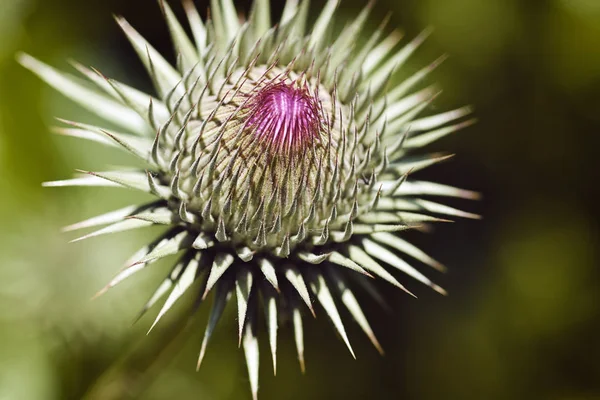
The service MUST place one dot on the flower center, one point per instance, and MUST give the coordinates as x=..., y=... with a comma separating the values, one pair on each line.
x=285, y=117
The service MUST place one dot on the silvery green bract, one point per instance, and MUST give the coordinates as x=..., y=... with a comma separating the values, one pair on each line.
x=279, y=161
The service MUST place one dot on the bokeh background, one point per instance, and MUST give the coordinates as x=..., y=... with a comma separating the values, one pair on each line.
x=523, y=317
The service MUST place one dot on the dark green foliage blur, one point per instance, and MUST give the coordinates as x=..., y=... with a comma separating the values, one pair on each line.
x=522, y=320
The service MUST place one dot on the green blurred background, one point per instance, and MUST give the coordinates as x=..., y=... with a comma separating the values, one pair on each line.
x=523, y=317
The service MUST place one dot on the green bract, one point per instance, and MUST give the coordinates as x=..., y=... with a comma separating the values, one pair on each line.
x=278, y=161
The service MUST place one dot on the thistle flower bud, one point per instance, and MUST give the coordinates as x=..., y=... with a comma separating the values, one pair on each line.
x=279, y=162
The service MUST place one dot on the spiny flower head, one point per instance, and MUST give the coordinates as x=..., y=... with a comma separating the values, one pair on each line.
x=279, y=162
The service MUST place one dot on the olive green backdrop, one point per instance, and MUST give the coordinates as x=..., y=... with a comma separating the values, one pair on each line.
x=523, y=317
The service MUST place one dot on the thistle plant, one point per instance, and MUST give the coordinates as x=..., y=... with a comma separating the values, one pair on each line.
x=279, y=161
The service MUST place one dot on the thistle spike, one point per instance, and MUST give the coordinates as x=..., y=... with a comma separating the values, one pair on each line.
x=319, y=288
x=184, y=281
x=158, y=68
x=220, y=264
x=181, y=241
x=222, y=295
x=337, y=258
x=295, y=278
x=356, y=253
x=243, y=289
x=271, y=315
x=104, y=219
x=390, y=258
x=120, y=226
x=380, y=51
x=94, y=102
x=181, y=42
x=198, y=29
x=268, y=269
x=252, y=356
x=299, y=336
x=353, y=306
x=164, y=287
x=408, y=248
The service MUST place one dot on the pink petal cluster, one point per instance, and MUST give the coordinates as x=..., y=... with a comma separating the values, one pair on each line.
x=285, y=116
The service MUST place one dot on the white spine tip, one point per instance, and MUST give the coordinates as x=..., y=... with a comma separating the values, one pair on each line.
x=439, y=290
